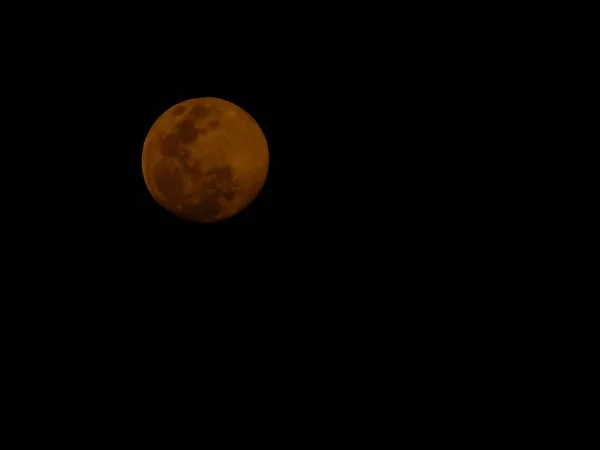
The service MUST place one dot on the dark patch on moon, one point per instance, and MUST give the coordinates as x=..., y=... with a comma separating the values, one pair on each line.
x=170, y=145
x=187, y=132
x=211, y=184
x=229, y=195
x=219, y=182
x=194, y=169
x=169, y=182
x=218, y=179
x=208, y=209
x=178, y=110
x=213, y=124
x=199, y=112
x=221, y=173
x=215, y=185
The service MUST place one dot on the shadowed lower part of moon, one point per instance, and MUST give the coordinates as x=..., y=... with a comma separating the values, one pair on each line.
x=210, y=187
x=193, y=177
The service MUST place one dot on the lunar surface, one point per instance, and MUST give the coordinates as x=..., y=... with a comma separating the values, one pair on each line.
x=205, y=159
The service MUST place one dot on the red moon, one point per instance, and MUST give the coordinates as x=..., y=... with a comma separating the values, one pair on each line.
x=205, y=159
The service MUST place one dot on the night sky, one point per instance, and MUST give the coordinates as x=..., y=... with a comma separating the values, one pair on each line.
x=395, y=228
x=376, y=155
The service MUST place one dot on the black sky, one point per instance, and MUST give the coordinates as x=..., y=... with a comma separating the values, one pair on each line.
x=395, y=183
x=372, y=145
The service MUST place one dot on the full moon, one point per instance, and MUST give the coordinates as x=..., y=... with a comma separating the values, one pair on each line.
x=205, y=159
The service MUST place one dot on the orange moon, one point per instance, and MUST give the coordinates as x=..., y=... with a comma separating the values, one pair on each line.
x=205, y=159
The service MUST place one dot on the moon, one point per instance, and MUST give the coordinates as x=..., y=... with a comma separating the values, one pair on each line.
x=205, y=159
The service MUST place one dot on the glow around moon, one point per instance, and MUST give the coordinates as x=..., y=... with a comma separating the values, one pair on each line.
x=205, y=159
